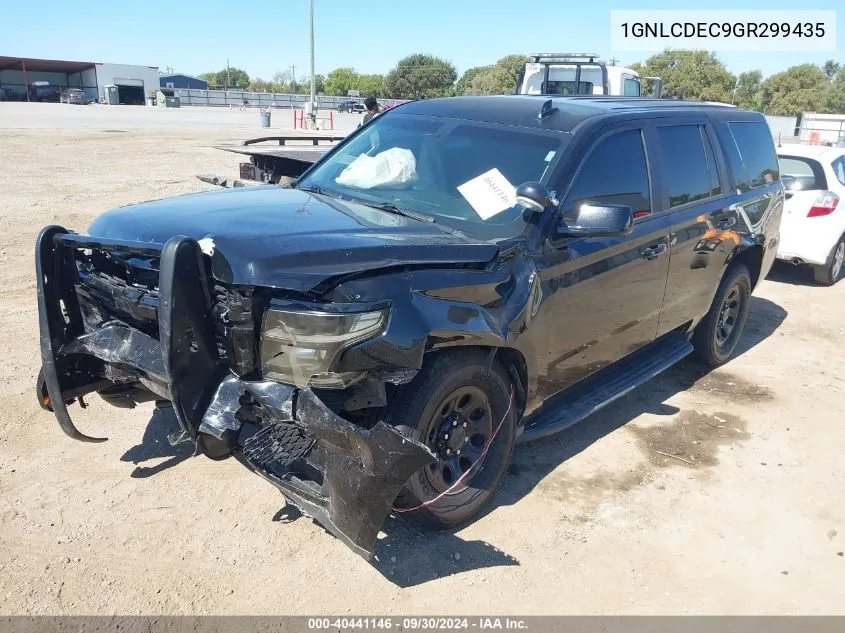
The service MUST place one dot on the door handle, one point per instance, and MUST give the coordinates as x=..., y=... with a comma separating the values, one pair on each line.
x=726, y=223
x=653, y=252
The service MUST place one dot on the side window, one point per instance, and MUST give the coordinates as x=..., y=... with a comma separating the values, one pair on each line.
x=757, y=150
x=839, y=169
x=630, y=87
x=735, y=165
x=615, y=172
x=684, y=164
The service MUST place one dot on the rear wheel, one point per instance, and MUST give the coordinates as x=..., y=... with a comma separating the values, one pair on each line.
x=717, y=335
x=466, y=416
x=829, y=273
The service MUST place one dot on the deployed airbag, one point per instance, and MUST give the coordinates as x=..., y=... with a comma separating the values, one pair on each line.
x=395, y=167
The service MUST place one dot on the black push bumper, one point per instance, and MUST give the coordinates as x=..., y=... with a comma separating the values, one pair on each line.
x=344, y=476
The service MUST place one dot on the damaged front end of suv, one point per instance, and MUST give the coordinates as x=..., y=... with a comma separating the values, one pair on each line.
x=239, y=367
x=293, y=383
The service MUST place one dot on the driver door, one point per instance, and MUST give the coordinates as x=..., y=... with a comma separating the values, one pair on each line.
x=605, y=294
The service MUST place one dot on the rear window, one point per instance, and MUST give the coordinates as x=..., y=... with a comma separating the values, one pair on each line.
x=569, y=88
x=799, y=173
x=756, y=150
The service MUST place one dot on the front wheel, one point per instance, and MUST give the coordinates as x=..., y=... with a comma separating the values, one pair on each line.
x=467, y=417
x=717, y=335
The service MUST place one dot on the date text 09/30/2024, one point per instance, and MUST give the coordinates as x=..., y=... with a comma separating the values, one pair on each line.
x=416, y=624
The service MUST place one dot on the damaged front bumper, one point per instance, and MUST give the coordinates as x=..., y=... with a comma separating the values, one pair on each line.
x=343, y=475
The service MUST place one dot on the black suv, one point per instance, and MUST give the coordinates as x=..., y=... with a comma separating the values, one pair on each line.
x=350, y=106
x=44, y=92
x=376, y=337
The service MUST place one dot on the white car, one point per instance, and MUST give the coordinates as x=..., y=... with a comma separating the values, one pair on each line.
x=812, y=229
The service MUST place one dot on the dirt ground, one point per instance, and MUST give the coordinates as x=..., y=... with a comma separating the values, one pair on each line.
x=719, y=493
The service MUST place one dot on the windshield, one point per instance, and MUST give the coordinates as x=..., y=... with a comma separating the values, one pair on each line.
x=460, y=173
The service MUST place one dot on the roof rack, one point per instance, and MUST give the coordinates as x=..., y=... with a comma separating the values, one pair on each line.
x=562, y=57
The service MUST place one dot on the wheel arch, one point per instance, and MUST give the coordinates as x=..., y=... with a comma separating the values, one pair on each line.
x=511, y=358
x=752, y=257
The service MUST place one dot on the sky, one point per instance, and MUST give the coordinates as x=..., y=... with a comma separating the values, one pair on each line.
x=192, y=36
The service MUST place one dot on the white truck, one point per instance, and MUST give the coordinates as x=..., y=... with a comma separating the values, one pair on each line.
x=579, y=74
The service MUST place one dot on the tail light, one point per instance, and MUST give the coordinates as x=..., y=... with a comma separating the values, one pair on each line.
x=824, y=204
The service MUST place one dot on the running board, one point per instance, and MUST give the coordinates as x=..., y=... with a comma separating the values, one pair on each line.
x=591, y=394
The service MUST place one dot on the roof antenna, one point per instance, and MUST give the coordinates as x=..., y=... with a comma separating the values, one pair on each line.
x=546, y=109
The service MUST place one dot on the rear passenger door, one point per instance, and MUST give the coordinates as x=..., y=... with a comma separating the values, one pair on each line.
x=701, y=222
x=605, y=294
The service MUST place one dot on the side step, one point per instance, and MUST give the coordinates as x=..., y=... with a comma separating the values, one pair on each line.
x=588, y=396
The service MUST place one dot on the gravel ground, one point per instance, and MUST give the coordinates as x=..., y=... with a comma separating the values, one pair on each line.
x=718, y=493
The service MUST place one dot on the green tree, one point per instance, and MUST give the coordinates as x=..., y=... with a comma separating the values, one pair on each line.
x=500, y=78
x=211, y=78
x=260, y=85
x=281, y=81
x=233, y=78
x=340, y=81
x=799, y=89
x=694, y=75
x=749, y=93
x=371, y=85
x=420, y=77
x=465, y=82
x=831, y=68
x=836, y=94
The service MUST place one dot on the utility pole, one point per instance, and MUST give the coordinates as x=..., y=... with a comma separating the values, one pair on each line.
x=313, y=80
x=293, y=78
x=228, y=82
x=613, y=61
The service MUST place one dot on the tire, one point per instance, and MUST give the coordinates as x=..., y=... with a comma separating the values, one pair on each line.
x=829, y=273
x=421, y=410
x=716, y=337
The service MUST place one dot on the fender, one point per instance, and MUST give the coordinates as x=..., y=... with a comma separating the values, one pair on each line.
x=446, y=309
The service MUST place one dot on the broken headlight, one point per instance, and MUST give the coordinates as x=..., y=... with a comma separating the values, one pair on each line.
x=299, y=346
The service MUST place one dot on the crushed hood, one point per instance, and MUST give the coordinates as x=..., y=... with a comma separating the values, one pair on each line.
x=285, y=238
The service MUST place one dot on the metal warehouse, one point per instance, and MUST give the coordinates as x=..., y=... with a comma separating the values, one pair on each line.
x=180, y=80
x=133, y=83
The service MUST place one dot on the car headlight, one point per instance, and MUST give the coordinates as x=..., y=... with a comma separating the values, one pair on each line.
x=299, y=346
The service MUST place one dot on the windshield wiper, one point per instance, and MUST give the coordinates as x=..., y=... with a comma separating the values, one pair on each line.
x=392, y=208
x=315, y=189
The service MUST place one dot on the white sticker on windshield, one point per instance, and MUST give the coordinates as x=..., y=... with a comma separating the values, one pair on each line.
x=550, y=156
x=489, y=194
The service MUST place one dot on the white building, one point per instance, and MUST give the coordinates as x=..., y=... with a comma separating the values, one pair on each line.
x=134, y=83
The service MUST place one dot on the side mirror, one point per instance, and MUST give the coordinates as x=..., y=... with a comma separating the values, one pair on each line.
x=599, y=220
x=534, y=196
